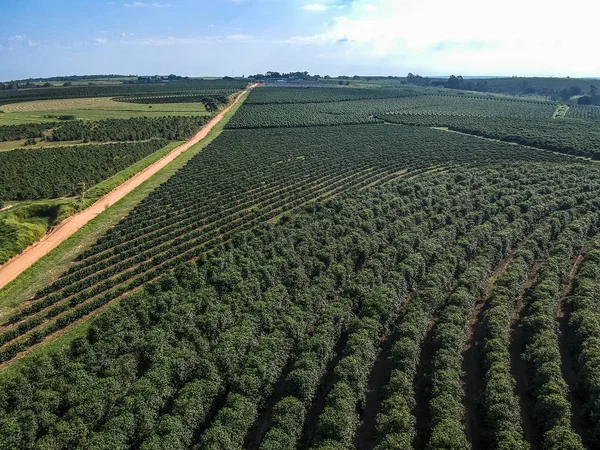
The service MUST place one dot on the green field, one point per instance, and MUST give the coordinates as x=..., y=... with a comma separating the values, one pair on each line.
x=330, y=269
x=91, y=109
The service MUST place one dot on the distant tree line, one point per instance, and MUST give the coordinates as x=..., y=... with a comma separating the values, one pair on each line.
x=156, y=79
x=290, y=75
x=454, y=82
x=31, y=83
x=591, y=98
x=556, y=89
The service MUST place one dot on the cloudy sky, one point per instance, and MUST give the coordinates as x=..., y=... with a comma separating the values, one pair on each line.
x=336, y=37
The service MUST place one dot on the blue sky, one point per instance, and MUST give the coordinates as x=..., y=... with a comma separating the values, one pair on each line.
x=336, y=37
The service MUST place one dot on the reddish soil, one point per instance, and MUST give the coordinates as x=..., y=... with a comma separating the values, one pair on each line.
x=474, y=378
x=265, y=418
x=318, y=404
x=518, y=365
x=366, y=436
x=422, y=390
x=567, y=364
x=15, y=266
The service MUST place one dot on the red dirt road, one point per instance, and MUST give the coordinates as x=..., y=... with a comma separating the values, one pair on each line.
x=15, y=266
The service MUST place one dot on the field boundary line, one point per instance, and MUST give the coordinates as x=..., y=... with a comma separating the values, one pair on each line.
x=16, y=265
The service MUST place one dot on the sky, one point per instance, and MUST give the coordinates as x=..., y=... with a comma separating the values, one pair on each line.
x=40, y=38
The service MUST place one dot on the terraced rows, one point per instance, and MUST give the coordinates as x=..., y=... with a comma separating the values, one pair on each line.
x=366, y=268
x=200, y=209
x=368, y=286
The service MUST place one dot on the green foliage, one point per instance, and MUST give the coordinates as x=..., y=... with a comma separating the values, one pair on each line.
x=172, y=128
x=264, y=96
x=21, y=226
x=570, y=136
x=275, y=263
x=583, y=111
x=56, y=172
x=585, y=325
x=184, y=87
x=25, y=131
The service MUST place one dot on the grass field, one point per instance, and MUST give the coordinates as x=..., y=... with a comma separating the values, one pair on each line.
x=96, y=81
x=91, y=109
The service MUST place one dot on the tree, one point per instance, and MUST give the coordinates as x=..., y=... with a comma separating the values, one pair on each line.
x=584, y=100
x=574, y=90
x=81, y=192
x=565, y=94
x=593, y=91
x=454, y=82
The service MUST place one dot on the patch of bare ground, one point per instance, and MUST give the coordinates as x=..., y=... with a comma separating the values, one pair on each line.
x=265, y=417
x=423, y=390
x=474, y=373
x=318, y=404
x=366, y=436
x=518, y=366
x=563, y=313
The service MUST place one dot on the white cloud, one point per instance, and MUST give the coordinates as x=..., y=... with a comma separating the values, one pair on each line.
x=314, y=7
x=467, y=39
x=171, y=40
x=146, y=5
x=101, y=40
x=324, y=7
x=240, y=37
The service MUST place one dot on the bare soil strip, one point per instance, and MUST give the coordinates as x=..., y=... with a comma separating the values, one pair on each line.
x=327, y=382
x=366, y=435
x=474, y=378
x=567, y=364
x=423, y=390
x=265, y=417
x=518, y=366
x=68, y=227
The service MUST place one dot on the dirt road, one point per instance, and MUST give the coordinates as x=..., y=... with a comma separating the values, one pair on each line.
x=10, y=270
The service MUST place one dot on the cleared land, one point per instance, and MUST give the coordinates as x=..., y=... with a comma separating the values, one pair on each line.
x=91, y=109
